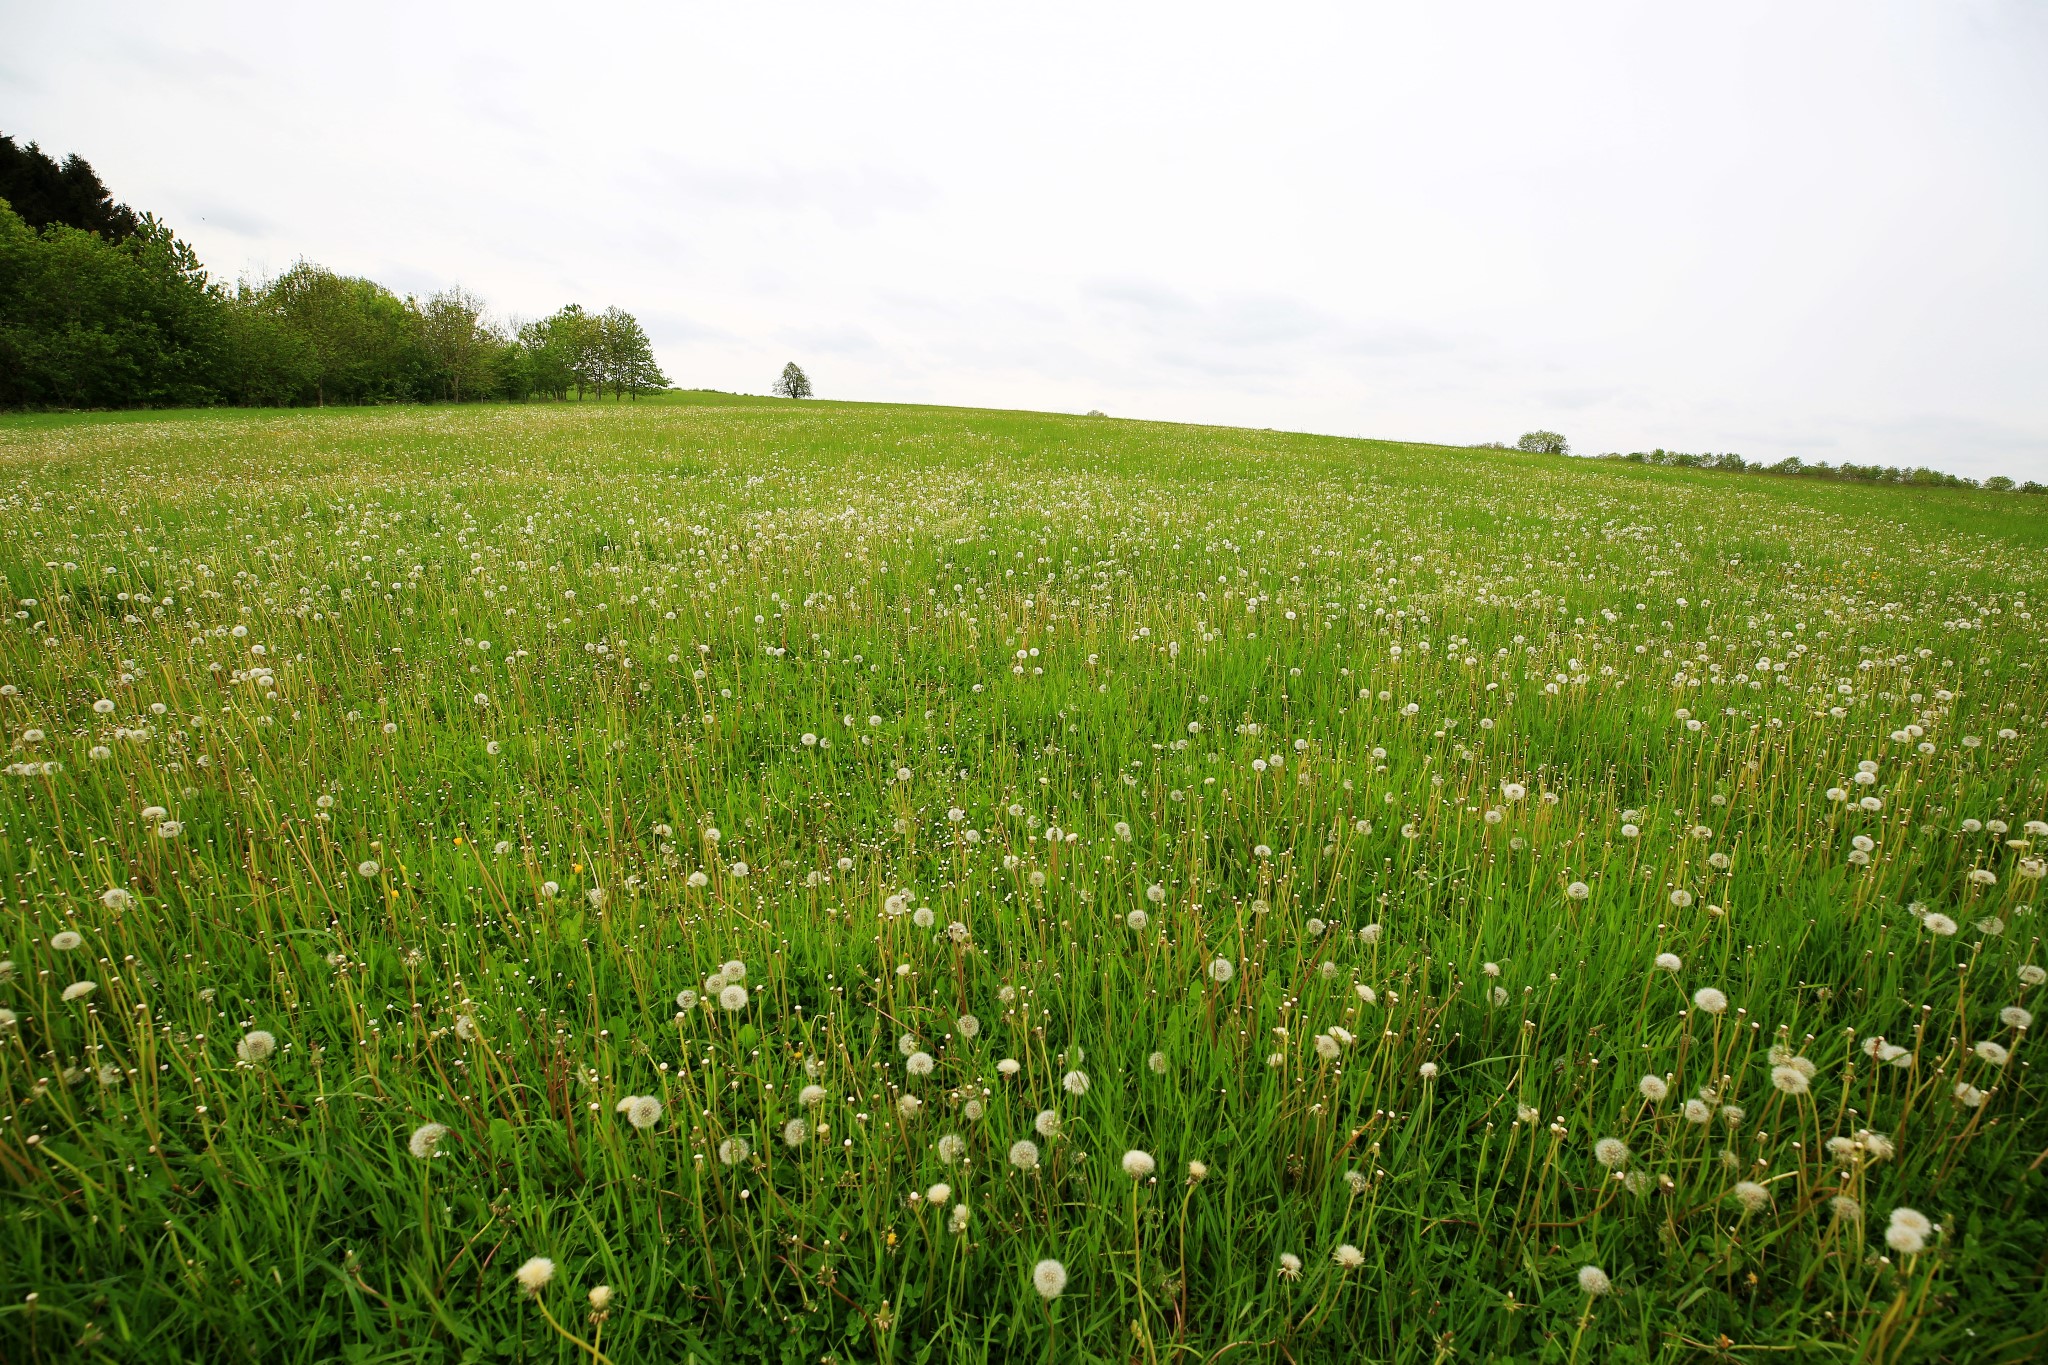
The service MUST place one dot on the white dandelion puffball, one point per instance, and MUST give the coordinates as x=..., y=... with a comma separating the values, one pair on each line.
x=2033, y=975
x=1993, y=1053
x=686, y=1000
x=535, y=1274
x=919, y=1064
x=734, y=1150
x=1941, y=926
x=1611, y=1152
x=426, y=1140
x=117, y=898
x=1348, y=1257
x=1221, y=970
x=1669, y=962
x=78, y=990
x=1009, y=1067
x=1024, y=1154
x=1908, y=1231
x=66, y=940
x=1790, y=1079
x=256, y=1046
x=909, y=1107
x=1653, y=1088
x=1047, y=1123
x=1427, y=1071
x=1049, y=1278
x=2012, y=1016
x=951, y=1148
x=368, y=868
x=1137, y=1165
x=1156, y=894
x=1138, y=920
x=643, y=1111
x=967, y=1026
x=1710, y=1000
x=1367, y=994
x=1698, y=1111
x=1751, y=1195
x=794, y=1132
x=1593, y=1281
x=1156, y=1063
x=733, y=997
x=1075, y=1083
x=1578, y=891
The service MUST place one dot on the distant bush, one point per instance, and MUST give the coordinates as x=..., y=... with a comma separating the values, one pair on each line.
x=1793, y=467
x=1543, y=443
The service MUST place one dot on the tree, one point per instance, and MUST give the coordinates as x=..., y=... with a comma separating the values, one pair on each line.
x=86, y=322
x=463, y=347
x=1543, y=443
x=365, y=342
x=793, y=384
x=627, y=356
x=575, y=341
x=544, y=356
x=46, y=194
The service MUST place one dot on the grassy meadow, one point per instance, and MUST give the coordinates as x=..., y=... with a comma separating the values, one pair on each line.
x=736, y=880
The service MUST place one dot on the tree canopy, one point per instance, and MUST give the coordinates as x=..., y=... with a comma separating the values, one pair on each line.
x=794, y=383
x=104, y=308
x=1543, y=443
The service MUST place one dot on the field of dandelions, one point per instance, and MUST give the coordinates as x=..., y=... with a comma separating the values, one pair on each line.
x=721, y=880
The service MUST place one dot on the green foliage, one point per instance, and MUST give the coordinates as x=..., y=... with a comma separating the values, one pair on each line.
x=101, y=309
x=46, y=194
x=1543, y=443
x=794, y=383
x=89, y=322
x=447, y=749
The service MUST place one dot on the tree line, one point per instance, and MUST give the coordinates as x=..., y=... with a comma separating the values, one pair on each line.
x=1919, y=476
x=104, y=307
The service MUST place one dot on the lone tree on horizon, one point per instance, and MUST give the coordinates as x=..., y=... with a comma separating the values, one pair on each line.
x=1543, y=443
x=794, y=382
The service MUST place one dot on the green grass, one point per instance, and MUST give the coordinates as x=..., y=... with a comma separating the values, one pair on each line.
x=446, y=840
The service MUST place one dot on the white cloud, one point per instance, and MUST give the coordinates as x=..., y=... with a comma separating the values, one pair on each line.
x=1777, y=229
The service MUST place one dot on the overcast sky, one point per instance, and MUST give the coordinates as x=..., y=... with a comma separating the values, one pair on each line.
x=1813, y=229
